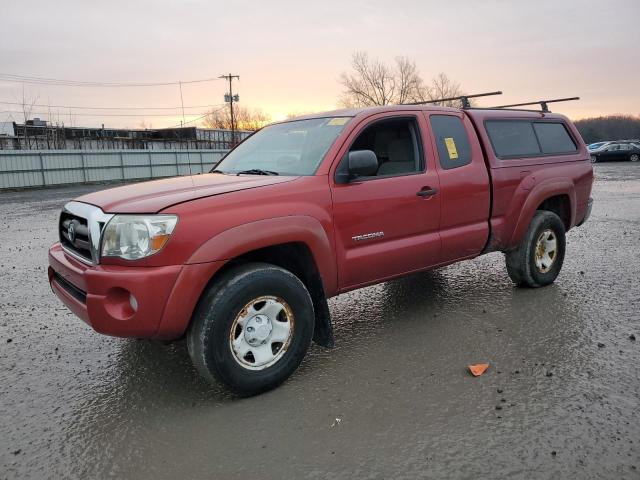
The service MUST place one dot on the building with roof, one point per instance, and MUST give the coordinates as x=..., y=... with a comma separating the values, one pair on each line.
x=37, y=134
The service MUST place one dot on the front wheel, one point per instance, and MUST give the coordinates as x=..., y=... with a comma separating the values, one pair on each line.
x=252, y=328
x=538, y=259
x=634, y=157
x=594, y=159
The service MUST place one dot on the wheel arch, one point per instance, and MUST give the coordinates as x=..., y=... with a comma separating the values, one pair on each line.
x=561, y=206
x=557, y=196
x=298, y=244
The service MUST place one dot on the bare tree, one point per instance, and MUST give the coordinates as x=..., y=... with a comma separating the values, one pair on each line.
x=373, y=82
x=27, y=104
x=443, y=87
x=54, y=130
x=218, y=119
x=611, y=127
x=410, y=84
x=72, y=119
x=251, y=119
x=246, y=118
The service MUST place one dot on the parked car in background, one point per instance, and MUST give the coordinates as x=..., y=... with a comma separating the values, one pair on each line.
x=596, y=146
x=619, y=151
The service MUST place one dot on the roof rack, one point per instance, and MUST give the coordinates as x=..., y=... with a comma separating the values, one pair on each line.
x=542, y=103
x=463, y=98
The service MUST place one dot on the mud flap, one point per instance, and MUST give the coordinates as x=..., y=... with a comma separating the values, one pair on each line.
x=323, y=330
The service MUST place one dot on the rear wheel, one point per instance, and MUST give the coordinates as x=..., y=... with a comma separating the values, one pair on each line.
x=538, y=259
x=252, y=328
x=594, y=159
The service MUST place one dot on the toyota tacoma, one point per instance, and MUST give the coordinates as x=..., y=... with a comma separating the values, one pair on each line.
x=241, y=260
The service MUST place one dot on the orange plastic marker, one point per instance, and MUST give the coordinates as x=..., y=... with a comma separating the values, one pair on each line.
x=478, y=369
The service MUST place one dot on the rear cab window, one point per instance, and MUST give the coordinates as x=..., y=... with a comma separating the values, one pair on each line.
x=553, y=138
x=452, y=141
x=529, y=138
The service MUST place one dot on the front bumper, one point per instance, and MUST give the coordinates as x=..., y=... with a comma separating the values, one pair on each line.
x=101, y=295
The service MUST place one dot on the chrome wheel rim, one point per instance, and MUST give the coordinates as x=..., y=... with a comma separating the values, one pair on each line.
x=594, y=159
x=261, y=333
x=546, y=250
x=635, y=158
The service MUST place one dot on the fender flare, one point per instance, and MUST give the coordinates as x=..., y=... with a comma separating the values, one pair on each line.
x=244, y=238
x=546, y=189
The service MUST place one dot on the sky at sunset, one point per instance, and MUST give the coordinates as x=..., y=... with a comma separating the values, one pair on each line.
x=290, y=54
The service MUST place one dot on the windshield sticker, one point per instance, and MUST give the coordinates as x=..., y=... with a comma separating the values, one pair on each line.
x=338, y=121
x=451, y=148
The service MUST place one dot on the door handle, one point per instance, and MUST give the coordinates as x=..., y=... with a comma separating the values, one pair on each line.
x=427, y=192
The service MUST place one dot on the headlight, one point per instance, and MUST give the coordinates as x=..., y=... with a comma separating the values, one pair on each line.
x=136, y=236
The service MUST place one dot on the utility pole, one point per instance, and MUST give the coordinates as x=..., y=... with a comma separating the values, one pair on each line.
x=181, y=103
x=230, y=98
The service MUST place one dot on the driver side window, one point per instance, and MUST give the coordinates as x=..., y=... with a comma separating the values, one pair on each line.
x=396, y=145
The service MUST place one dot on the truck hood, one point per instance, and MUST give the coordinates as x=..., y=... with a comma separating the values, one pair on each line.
x=154, y=196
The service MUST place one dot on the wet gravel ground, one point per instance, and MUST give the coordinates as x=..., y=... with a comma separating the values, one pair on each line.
x=561, y=398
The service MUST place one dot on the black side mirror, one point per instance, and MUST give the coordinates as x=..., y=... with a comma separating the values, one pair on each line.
x=362, y=163
x=359, y=163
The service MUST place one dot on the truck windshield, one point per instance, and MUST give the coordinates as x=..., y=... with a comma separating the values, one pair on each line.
x=290, y=148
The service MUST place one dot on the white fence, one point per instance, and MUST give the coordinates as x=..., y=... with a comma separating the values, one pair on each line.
x=40, y=168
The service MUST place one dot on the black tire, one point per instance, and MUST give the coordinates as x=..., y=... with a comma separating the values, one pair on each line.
x=521, y=262
x=634, y=157
x=594, y=159
x=208, y=337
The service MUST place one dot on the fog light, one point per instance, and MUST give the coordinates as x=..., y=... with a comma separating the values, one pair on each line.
x=133, y=302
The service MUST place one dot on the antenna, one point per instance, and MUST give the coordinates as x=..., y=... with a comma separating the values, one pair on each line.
x=542, y=103
x=463, y=98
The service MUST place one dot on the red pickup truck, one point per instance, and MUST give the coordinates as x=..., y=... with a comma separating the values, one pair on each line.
x=241, y=260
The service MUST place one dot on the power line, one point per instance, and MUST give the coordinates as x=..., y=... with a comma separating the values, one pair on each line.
x=181, y=124
x=123, y=115
x=107, y=114
x=199, y=118
x=109, y=108
x=10, y=77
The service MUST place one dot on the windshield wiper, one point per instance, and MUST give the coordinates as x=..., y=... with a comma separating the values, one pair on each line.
x=216, y=171
x=257, y=171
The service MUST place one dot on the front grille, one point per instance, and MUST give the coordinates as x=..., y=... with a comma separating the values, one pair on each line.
x=70, y=288
x=80, y=228
x=74, y=235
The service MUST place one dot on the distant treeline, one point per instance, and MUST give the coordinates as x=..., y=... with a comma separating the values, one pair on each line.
x=613, y=127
